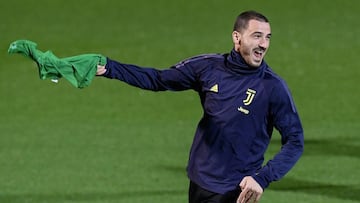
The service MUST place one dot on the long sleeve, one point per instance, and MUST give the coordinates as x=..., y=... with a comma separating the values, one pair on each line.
x=286, y=120
x=174, y=78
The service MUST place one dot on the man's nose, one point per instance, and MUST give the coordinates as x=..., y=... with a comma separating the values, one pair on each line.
x=264, y=43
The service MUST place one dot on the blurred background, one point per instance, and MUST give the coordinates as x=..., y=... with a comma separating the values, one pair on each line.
x=110, y=142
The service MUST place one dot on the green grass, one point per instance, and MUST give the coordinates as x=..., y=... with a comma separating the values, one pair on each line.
x=114, y=143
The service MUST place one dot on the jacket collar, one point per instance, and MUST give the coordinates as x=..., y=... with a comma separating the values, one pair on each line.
x=236, y=63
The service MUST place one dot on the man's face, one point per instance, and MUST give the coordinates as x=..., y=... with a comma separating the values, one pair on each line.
x=253, y=42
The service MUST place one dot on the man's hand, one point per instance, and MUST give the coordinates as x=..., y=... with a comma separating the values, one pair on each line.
x=100, y=70
x=251, y=191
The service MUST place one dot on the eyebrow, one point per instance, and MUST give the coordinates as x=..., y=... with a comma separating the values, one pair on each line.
x=257, y=32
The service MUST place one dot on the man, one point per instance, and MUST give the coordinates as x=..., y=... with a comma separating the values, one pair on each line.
x=243, y=100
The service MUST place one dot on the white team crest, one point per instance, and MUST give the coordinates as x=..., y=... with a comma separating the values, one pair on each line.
x=250, y=96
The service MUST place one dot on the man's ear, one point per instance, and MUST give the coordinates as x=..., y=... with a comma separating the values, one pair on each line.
x=236, y=36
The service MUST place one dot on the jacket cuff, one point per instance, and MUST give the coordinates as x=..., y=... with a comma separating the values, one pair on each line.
x=262, y=178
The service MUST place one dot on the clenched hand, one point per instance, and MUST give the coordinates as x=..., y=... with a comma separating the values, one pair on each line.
x=100, y=70
x=251, y=191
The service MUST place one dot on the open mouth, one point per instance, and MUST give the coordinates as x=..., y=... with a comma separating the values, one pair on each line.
x=258, y=54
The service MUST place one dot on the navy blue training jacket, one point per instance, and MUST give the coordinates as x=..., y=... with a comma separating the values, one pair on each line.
x=241, y=107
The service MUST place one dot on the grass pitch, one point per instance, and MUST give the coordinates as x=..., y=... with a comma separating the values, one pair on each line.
x=114, y=143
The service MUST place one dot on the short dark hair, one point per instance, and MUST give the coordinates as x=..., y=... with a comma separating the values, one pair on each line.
x=243, y=19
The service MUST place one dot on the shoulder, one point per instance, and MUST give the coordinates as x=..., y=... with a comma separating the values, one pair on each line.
x=276, y=80
x=201, y=60
x=280, y=92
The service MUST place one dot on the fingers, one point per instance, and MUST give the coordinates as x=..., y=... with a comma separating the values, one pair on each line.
x=100, y=70
x=257, y=199
x=248, y=196
x=252, y=197
x=241, y=197
x=242, y=184
x=251, y=191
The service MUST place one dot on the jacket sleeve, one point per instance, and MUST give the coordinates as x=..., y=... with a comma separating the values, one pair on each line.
x=286, y=120
x=176, y=78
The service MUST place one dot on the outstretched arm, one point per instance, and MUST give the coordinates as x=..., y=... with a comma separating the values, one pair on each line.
x=175, y=79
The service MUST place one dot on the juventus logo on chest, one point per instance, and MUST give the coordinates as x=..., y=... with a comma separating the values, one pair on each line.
x=247, y=101
x=250, y=96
